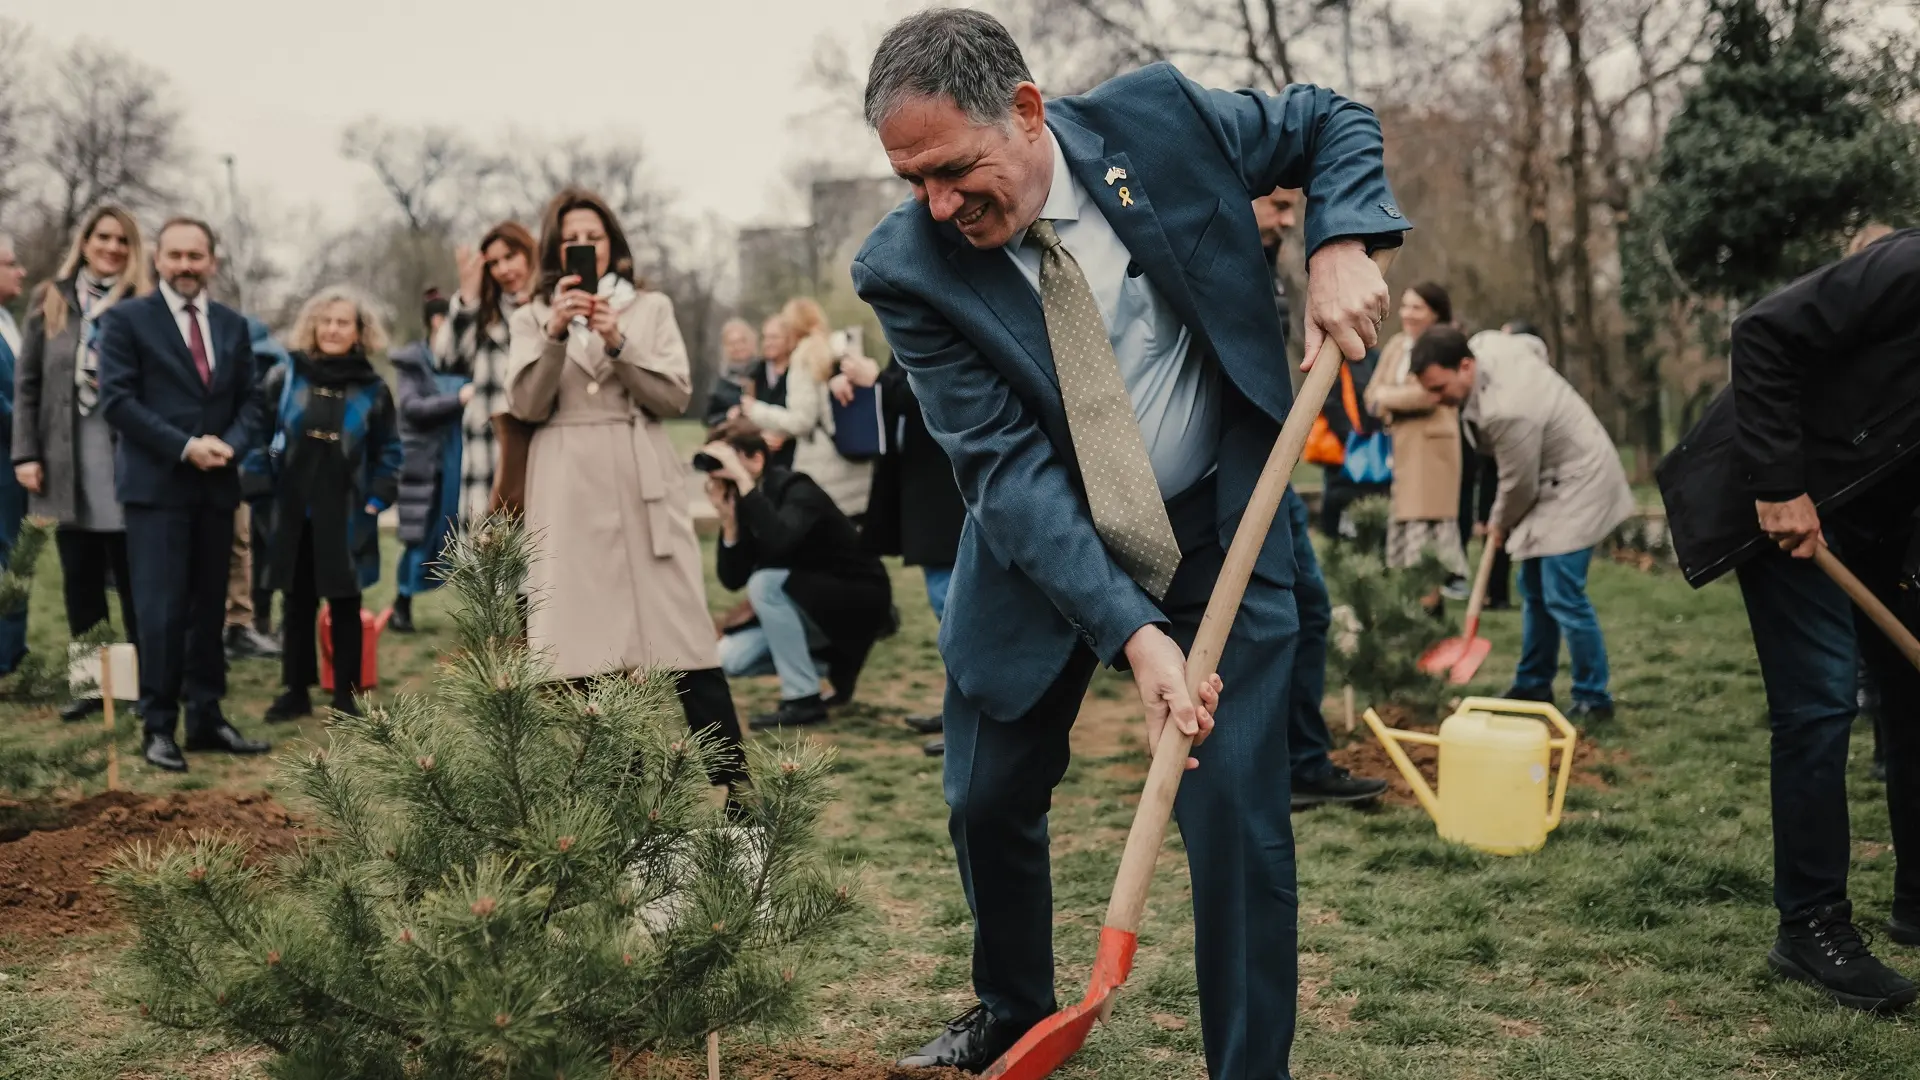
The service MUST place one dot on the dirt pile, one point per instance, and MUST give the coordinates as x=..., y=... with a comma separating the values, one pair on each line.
x=47, y=867
x=1364, y=756
x=786, y=1063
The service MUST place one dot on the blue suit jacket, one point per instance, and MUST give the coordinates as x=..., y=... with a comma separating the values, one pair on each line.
x=1032, y=578
x=152, y=395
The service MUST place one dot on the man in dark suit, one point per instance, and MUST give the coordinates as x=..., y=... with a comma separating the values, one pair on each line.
x=13, y=497
x=1814, y=444
x=1080, y=299
x=176, y=383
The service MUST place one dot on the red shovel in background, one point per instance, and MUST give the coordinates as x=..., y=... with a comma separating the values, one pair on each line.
x=1058, y=1037
x=1458, y=658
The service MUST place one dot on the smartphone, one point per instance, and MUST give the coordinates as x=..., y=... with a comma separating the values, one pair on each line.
x=582, y=262
x=707, y=463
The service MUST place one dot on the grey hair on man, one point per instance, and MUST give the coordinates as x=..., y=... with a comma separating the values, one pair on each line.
x=955, y=53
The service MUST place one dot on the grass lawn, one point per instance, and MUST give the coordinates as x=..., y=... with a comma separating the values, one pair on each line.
x=1632, y=946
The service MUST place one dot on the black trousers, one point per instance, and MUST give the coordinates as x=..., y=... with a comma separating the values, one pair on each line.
x=1807, y=633
x=262, y=538
x=87, y=559
x=178, y=556
x=299, y=660
x=708, y=702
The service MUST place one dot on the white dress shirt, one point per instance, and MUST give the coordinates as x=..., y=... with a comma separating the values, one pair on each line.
x=178, y=304
x=1176, y=397
x=10, y=330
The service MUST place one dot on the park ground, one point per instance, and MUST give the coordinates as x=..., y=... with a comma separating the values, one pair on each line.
x=1632, y=946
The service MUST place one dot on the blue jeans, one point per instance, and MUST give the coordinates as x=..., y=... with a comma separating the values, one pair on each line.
x=410, y=577
x=938, y=578
x=780, y=645
x=1307, y=737
x=13, y=628
x=1553, y=603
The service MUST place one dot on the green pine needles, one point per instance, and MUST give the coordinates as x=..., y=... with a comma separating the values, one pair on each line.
x=1380, y=626
x=512, y=878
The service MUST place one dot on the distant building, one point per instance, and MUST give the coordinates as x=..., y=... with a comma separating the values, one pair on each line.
x=778, y=263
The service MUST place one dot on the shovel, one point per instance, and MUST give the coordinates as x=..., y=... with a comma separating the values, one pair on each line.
x=1459, y=657
x=1887, y=621
x=1056, y=1038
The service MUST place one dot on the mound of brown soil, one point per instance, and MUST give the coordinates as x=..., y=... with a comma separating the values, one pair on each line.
x=47, y=886
x=1364, y=756
x=788, y=1062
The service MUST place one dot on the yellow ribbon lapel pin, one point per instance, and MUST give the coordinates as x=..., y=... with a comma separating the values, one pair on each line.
x=1126, y=197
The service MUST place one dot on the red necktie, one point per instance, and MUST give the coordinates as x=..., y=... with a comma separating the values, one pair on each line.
x=198, y=344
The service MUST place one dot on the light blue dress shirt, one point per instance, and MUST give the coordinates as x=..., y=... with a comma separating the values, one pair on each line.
x=1176, y=396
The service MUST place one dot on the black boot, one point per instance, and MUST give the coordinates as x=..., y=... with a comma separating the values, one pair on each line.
x=1904, y=929
x=289, y=706
x=796, y=713
x=343, y=703
x=973, y=1040
x=401, y=622
x=1823, y=949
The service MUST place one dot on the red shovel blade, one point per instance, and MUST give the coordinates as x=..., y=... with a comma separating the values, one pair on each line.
x=1456, y=658
x=1053, y=1040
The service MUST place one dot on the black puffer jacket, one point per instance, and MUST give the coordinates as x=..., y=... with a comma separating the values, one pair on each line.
x=1825, y=401
x=428, y=418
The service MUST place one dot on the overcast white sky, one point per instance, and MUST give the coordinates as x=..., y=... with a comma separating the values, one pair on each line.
x=709, y=85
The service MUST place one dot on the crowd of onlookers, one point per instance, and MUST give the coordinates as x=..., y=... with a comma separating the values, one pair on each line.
x=539, y=389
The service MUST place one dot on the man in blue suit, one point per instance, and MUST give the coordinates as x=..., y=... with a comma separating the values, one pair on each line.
x=176, y=383
x=1080, y=299
x=13, y=497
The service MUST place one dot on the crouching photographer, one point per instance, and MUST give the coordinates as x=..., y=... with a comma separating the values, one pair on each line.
x=814, y=587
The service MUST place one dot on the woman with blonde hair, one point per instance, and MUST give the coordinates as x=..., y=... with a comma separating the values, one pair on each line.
x=808, y=414
x=617, y=584
x=333, y=451
x=62, y=445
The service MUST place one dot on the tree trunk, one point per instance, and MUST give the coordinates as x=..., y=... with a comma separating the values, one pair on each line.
x=1533, y=182
x=1599, y=381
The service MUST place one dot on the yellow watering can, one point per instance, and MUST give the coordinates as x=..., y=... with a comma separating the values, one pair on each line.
x=1494, y=761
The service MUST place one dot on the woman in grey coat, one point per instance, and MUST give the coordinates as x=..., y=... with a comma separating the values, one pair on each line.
x=62, y=446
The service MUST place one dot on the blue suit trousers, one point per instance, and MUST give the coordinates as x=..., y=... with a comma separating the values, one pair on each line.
x=1233, y=811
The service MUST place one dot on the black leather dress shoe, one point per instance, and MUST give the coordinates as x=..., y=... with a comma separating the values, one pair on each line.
x=798, y=712
x=289, y=706
x=1337, y=786
x=1903, y=931
x=225, y=740
x=935, y=747
x=972, y=1041
x=928, y=725
x=162, y=752
x=79, y=709
x=245, y=643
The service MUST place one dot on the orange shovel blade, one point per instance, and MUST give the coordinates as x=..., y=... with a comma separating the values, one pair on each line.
x=1053, y=1040
x=1456, y=658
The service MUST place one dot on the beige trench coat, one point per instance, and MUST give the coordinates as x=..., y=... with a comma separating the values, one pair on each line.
x=617, y=584
x=1562, y=488
x=1426, y=438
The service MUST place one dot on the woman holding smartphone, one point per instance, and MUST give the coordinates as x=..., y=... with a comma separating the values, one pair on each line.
x=596, y=364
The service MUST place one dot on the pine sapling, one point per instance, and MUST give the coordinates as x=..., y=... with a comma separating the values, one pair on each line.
x=510, y=877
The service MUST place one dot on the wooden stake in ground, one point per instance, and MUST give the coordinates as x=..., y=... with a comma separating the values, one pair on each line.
x=713, y=1055
x=1348, y=694
x=106, y=703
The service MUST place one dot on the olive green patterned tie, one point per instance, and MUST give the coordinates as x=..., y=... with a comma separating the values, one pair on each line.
x=1127, y=510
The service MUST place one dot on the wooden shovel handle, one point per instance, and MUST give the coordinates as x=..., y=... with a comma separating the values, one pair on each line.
x=1170, y=757
x=1481, y=577
x=1887, y=621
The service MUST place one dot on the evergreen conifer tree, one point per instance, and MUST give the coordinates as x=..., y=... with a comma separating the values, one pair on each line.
x=511, y=878
x=1784, y=144
x=1381, y=625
